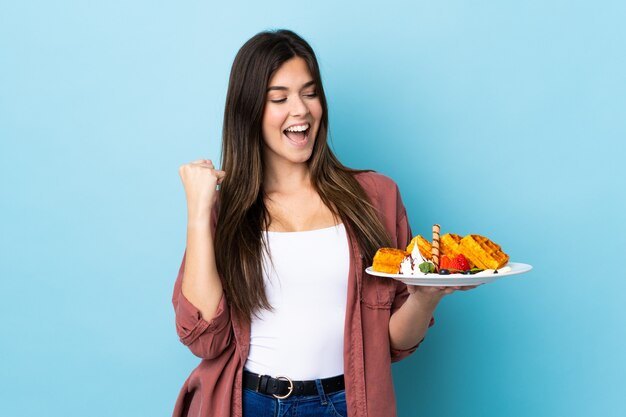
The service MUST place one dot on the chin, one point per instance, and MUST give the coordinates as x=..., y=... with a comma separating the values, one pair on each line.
x=302, y=158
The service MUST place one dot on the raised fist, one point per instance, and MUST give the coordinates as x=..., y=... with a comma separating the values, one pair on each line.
x=200, y=179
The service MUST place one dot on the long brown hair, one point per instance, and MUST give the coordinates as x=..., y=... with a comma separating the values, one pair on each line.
x=242, y=212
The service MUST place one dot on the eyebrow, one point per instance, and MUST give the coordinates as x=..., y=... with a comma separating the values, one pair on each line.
x=279, y=87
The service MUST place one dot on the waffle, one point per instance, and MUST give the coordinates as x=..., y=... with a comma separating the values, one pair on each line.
x=450, y=246
x=388, y=260
x=424, y=246
x=482, y=252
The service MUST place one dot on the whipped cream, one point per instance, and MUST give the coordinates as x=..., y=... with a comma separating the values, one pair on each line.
x=492, y=271
x=411, y=264
x=406, y=266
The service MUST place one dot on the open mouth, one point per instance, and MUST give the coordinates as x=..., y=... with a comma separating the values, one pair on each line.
x=298, y=137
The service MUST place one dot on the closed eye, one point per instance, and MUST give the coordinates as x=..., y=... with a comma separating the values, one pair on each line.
x=282, y=100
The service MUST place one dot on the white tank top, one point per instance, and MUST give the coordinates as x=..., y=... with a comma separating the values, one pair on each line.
x=306, y=282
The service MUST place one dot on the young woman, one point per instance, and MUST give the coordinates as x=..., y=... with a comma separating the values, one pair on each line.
x=271, y=292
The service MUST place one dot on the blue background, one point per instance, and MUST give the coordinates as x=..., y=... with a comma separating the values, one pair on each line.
x=503, y=118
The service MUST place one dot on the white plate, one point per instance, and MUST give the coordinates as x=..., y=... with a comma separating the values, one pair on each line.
x=436, y=280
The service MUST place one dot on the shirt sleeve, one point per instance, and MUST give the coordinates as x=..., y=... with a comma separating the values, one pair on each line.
x=205, y=339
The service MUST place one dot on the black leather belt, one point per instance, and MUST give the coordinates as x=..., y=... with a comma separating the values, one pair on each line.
x=282, y=387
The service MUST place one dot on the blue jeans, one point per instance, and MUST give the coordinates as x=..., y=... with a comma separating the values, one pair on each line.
x=256, y=404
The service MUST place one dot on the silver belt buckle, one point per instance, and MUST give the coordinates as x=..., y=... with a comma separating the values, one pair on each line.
x=284, y=378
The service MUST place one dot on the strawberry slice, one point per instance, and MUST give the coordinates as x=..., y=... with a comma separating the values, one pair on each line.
x=460, y=263
x=445, y=262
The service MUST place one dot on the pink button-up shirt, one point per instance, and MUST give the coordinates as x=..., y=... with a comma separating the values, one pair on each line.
x=214, y=388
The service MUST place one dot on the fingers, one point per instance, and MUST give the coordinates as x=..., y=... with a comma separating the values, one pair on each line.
x=220, y=176
x=467, y=287
x=445, y=290
x=202, y=162
x=207, y=163
x=450, y=290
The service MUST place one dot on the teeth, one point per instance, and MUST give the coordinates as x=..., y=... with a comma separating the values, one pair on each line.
x=299, y=128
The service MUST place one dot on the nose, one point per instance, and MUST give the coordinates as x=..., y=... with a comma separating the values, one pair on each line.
x=298, y=107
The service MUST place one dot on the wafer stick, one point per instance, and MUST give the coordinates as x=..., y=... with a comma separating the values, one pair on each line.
x=435, y=249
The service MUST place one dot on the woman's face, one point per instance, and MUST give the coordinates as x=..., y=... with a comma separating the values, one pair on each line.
x=292, y=114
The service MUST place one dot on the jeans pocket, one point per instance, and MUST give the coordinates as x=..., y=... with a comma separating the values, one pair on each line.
x=257, y=405
x=337, y=404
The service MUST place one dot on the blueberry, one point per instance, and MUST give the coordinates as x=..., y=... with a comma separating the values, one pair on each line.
x=444, y=272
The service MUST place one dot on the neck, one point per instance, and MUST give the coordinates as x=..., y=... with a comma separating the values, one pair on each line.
x=285, y=178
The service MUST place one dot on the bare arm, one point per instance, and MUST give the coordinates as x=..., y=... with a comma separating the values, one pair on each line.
x=408, y=325
x=201, y=284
